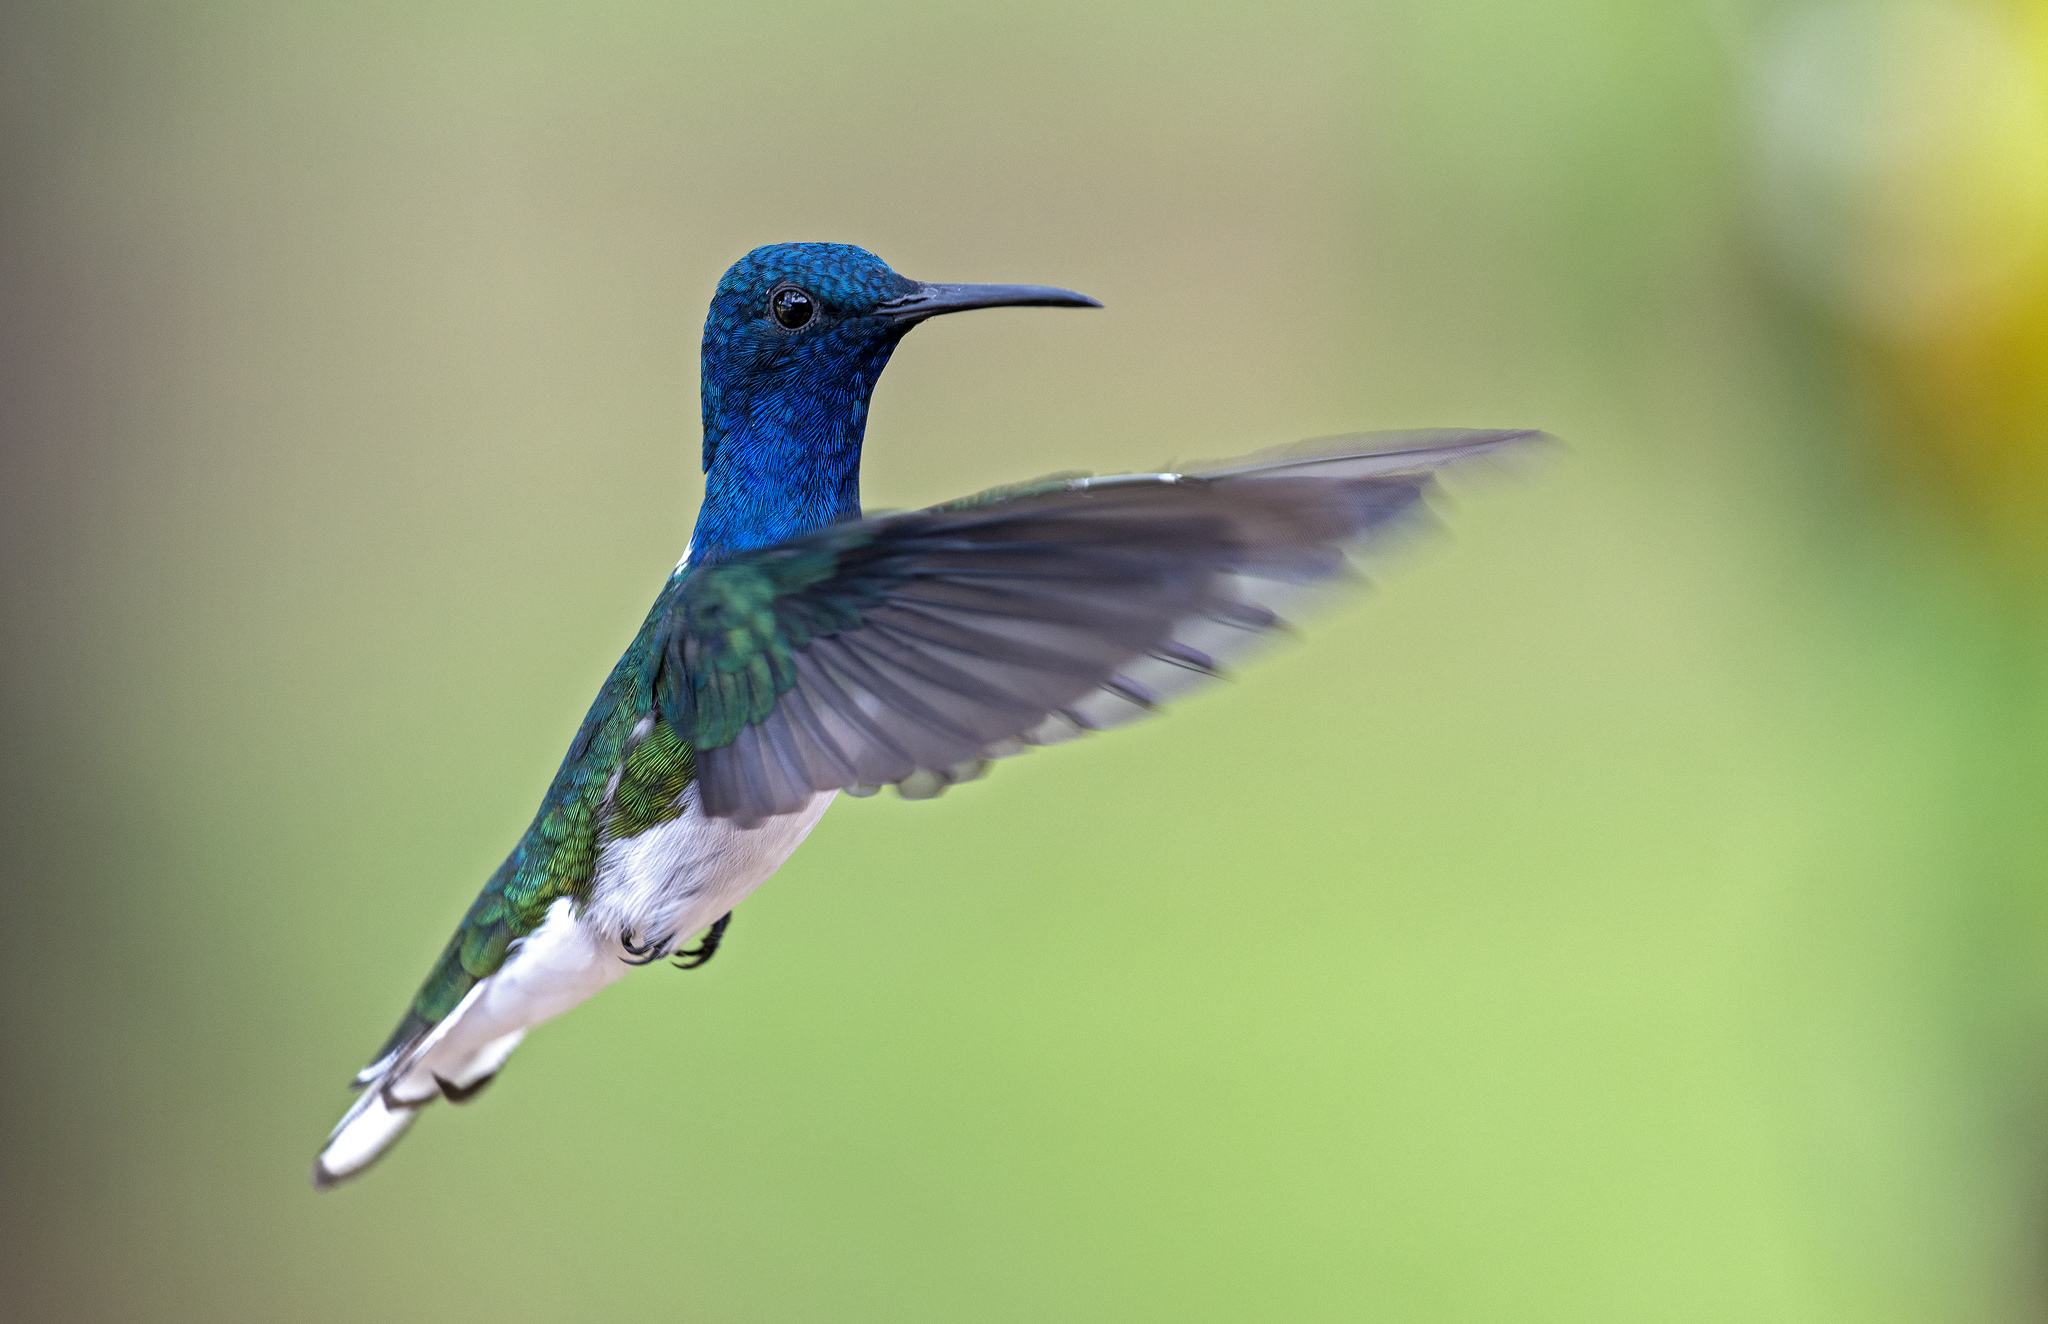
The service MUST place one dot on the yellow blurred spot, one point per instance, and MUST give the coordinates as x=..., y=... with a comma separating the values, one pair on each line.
x=1903, y=171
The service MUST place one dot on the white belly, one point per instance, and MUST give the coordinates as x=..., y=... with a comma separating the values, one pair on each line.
x=679, y=876
x=658, y=888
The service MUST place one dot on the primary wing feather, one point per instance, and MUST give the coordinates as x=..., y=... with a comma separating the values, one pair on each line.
x=907, y=648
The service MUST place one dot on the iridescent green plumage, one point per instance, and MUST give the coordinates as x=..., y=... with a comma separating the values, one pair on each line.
x=907, y=649
x=741, y=643
x=558, y=855
x=630, y=838
x=713, y=656
x=728, y=651
x=803, y=649
x=659, y=768
x=728, y=612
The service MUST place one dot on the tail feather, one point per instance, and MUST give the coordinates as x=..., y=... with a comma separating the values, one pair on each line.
x=366, y=1130
x=393, y=1098
x=463, y=1084
x=550, y=971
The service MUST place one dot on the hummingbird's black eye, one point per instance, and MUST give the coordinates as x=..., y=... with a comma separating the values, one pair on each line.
x=791, y=306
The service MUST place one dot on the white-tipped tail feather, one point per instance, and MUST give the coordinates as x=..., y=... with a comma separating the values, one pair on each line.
x=669, y=881
x=366, y=1131
x=558, y=966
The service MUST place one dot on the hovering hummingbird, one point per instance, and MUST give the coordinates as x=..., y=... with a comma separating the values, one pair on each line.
x=800, y=649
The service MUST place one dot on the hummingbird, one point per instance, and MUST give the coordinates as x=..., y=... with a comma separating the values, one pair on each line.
x=801, y=648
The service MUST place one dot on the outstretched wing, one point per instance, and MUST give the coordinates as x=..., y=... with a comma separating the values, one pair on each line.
x=907, y=649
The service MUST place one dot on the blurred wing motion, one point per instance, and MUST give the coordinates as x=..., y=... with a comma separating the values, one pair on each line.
x=908, y=649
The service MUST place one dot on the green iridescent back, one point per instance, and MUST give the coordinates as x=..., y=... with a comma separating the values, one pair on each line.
x=740, y=622
x=557, y=857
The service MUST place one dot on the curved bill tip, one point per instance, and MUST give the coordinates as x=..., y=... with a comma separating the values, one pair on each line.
x=932, y=300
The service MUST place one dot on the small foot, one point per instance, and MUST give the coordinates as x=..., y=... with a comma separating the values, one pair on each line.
x=648, y=955
x=707, y=946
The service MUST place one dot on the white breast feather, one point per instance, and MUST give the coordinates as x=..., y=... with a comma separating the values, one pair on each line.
x=679, y=876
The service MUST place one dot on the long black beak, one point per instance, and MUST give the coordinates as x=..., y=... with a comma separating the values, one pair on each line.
x=932, y=300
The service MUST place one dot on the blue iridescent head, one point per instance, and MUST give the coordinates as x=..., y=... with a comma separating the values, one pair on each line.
x=797, y=336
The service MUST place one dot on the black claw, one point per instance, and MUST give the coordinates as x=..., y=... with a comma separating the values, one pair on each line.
x=648, y=955
x=455, y=1093
x=707, y=946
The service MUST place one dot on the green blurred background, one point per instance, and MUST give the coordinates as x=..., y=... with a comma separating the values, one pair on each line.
x=1635, y=911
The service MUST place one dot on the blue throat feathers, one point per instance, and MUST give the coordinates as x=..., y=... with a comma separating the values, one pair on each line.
x=784, y=461
x=797, y=336
x=786, y=408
